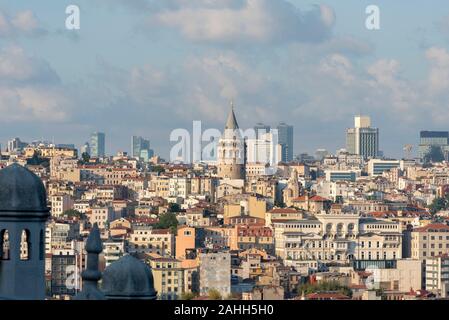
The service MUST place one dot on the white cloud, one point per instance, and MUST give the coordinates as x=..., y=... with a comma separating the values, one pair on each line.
x=16, y=66
x=253, y=21
x=439, y=69
x=30, y=89
x=338, y=66
x=23, y=23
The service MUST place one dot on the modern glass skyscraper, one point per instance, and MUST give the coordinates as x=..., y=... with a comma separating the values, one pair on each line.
x=97, y=144
x=363, y=140
x=429, y=139
x=285, y=133
x=140, y=147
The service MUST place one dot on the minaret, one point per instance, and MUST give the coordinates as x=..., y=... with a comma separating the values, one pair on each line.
x=92, y=274
x=231, y=150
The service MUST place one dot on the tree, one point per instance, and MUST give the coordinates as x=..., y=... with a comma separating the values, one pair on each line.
x=187, y=296
x=158, y=169
x=439, y=204
x=167, y=221
x=174, y=207
x=85, y=157
x=73, y=213
x=214, y=294
x=324, y=286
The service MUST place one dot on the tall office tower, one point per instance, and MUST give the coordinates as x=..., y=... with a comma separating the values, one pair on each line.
x=285, y=133
x=139, y=145
x=437, y=140
x=265, y=149
x=261, y=129
x=363, y=140
x=97, y=144
x=16, y=145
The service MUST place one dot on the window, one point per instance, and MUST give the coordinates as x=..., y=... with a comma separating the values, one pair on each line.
x=41, y=245
x=4, y=245
x=25, y=245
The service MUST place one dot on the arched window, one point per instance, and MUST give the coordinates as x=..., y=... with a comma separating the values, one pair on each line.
x=350, y=228
x=25, y=245
x=329, y=228
x=340, y=229
x=4, y=245
x=41, y=245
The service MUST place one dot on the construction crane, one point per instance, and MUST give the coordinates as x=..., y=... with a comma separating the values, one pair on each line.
x=408, y=151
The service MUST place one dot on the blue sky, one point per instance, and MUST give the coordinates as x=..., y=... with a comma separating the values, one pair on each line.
x=147, y=67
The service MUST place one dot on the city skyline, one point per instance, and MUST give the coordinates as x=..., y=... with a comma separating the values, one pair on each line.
x=79, y=81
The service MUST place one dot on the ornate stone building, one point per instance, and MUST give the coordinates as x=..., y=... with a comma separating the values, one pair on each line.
x=292, y=190
x=231, y=150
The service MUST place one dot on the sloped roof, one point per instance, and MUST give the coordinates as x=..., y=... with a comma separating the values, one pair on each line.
x=231, y=122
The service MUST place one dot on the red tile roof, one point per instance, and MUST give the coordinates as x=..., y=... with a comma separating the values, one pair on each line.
x=312, y=199
x=433, y=227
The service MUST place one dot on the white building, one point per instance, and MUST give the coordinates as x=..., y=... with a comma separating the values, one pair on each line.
x=363, y=140
x=60, y=203
x=215, y=273
x=179, y=187
x=112, y=251
x=437, y=275
x=265, y=149
x=339, y=236
x=101, y=215
x=378, y=166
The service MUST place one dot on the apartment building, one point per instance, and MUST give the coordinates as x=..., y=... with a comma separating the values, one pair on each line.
x=145, y=239
x=437, y=275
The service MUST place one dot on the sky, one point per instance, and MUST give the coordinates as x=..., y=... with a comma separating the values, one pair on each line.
x=147, y=67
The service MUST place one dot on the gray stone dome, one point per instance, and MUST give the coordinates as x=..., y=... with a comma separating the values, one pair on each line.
x=128, y=278
x=22, y=193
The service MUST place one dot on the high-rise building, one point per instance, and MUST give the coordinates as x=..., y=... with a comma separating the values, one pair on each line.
x=285, y=133
x=363, y=140
x=97, y=144
x=261, y=129
x=265, y=149
x=140, y=147
x=16, y=145
x=438, y=140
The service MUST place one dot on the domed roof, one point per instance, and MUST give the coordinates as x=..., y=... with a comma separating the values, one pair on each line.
x=128, y=278
x=22, y=193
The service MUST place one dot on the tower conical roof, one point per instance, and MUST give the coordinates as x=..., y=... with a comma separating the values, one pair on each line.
x=231, y=122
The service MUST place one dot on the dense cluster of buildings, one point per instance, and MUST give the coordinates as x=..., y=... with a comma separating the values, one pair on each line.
x=361, y=224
